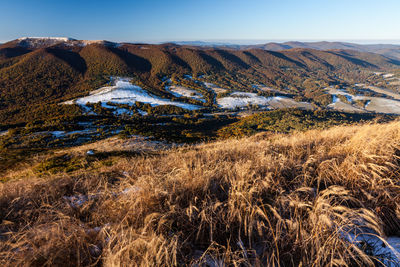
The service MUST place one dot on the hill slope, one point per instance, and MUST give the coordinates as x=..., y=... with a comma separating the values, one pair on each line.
x=38, y=73
x=315, y=198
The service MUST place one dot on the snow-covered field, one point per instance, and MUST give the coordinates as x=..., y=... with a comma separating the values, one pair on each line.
x=380, y=90
x=179, y=91
x=215, y=88
x=123, y=92
x=388, y=75
x=390, y=78
x=342, y=106
x=374, y=104
x=243, y=99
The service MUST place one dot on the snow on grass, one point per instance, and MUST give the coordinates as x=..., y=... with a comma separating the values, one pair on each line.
x=123, y=92
x=60, y=134
x=54, y=39
x=215, y=88
x=374, y=104
x=387, y=250
x=388, y=75
x=243, y=99
x=180, y=91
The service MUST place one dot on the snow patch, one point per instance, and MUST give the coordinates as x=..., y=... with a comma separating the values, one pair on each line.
x=387, y=248
x=388, y=75
x=239, y=99
x=3, y=133
x=123, y=92
x=215, y=88
x=180, y=91
x=58, y=134
x=243, y=99
x=58, y=39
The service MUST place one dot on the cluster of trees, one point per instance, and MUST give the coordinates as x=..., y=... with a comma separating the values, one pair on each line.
x=184, y=129
x=288, y=120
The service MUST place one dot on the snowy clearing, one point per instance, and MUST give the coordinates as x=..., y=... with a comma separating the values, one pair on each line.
x=374, y=104
x=123, y=92
x=59, y=134
x=180, y=91
x=380, y=90
x=389, y=75
x=215, y=88
x=243, y=99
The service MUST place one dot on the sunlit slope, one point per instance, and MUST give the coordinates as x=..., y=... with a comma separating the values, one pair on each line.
x=313, y=199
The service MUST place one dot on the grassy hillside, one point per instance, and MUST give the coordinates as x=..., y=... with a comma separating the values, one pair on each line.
x=267, y=200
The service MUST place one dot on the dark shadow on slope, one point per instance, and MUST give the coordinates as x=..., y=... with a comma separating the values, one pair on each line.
x=71, y=58
x=11, y=52
x=215, y=64
x=318, y=60
x=251, y=57
x=136, y=63
x=232, y=59
x=178, y=63
x=283, y=57
x=353, y=60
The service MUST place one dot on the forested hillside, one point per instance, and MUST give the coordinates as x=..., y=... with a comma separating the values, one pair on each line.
x=36, y=77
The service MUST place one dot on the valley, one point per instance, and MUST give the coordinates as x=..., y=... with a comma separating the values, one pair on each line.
x=72, y=92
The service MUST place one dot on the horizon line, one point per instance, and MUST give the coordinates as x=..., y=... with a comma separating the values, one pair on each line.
x=229, y=41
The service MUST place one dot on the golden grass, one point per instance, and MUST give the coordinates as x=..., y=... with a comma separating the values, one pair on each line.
x=267, y=200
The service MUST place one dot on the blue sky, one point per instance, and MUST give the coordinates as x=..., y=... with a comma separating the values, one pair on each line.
x=157, y=20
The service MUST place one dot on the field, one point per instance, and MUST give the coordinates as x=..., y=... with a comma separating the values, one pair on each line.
x=315, y=198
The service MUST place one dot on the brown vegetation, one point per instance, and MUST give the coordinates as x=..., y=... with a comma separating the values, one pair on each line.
x=271, y=200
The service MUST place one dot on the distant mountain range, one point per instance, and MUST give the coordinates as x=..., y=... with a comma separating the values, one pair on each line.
x=388, y=50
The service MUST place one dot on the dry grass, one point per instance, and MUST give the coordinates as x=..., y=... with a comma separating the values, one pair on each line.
x=268, y=200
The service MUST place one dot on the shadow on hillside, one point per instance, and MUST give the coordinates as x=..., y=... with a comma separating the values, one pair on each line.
x=135, y=62
x=231, y=58
x=71, y=58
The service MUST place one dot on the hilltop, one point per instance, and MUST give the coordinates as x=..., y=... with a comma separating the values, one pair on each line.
x=322, y=197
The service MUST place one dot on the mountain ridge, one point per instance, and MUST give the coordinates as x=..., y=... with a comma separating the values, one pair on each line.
x=389, y=50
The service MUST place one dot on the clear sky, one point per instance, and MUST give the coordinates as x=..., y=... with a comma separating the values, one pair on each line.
x=177, y=20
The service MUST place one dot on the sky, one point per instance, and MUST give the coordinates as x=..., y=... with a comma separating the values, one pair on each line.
x=235, y=21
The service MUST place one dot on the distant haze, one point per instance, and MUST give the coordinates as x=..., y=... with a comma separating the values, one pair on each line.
x=255, y=42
